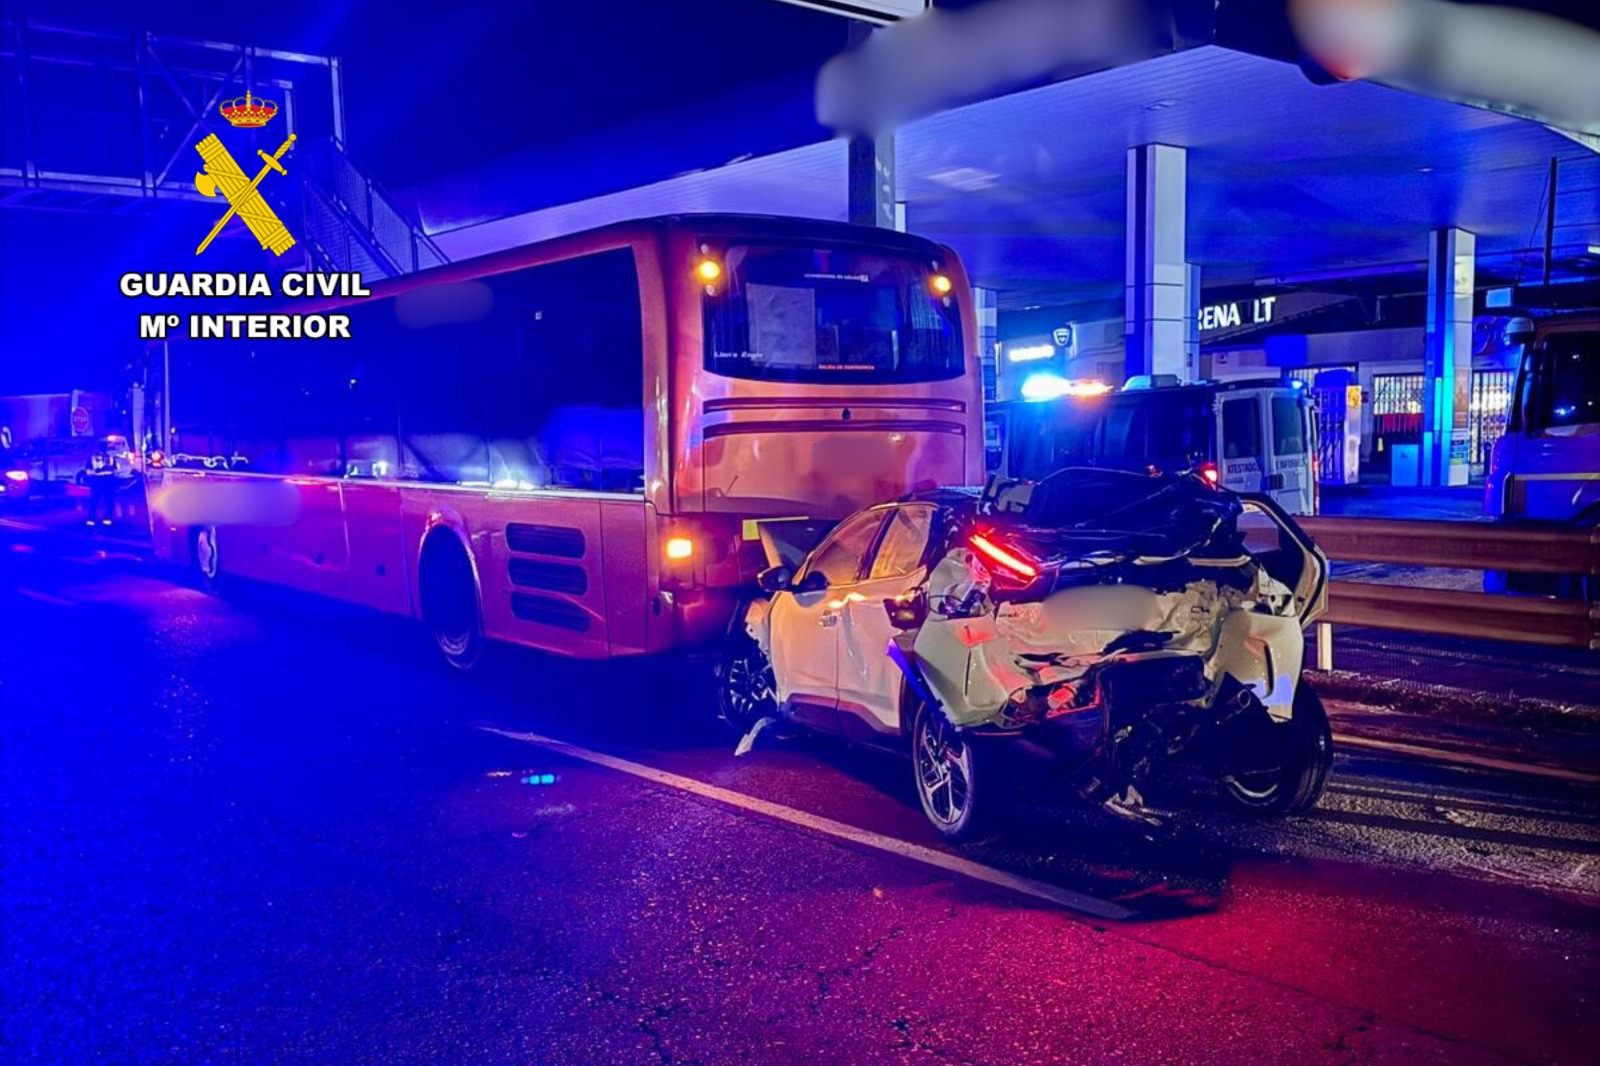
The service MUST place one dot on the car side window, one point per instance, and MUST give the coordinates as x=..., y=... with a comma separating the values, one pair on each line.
x=905, y=541
x=840, y=558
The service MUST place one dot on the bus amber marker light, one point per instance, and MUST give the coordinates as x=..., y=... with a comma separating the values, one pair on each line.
x=679, y=548
x=708, y=270
x=940, y=283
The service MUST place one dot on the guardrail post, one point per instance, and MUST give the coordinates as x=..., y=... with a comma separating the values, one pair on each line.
x=1324, y=646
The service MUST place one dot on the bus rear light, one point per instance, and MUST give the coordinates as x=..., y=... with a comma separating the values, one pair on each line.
x=1210, y=474
x=1013, y=563
x=679, y=549
x=157, y=459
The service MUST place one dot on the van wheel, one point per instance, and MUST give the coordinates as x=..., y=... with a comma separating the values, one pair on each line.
x=1297, y=783
x=450, y=607
x=958, y=795
x=207, y=561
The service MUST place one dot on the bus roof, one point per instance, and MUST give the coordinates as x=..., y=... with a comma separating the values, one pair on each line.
x=779, y=227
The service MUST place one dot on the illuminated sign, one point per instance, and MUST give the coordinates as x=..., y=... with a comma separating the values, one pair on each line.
x=1029, y=353
x=1062, y=336
x=1239, y=313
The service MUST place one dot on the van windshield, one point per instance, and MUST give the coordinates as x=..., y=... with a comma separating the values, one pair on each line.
x=814, y=315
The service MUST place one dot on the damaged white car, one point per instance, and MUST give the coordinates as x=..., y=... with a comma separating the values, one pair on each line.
x=1138, y=628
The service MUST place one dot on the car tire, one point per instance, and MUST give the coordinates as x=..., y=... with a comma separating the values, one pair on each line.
x=746, y=689
x=205, y=553
x=958, y=794
x=1297, y=783
x=450, y=607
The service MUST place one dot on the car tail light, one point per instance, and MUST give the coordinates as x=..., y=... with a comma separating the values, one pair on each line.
x=1210, y=474
x=1013, y=563
x=18, y=476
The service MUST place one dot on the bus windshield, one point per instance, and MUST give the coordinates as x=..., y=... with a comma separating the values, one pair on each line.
x=816, y=316
x=1572, y=361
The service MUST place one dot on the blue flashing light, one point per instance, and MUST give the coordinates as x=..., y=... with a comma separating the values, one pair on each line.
x=1045, y=387
x=539, y=779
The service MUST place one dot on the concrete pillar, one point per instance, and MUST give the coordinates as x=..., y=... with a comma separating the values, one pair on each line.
x=1159, y=304
x=1191, y=321
x=988, y=315
x=1447, y=358
x=872, y=181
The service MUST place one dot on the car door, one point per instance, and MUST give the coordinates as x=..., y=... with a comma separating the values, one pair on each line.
x=869, y=682
x=805, y=624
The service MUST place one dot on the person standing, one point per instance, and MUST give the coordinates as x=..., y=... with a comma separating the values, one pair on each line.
x=100, y=474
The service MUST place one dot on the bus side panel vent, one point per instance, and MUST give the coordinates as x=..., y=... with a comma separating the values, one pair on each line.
x=561, y=541
x=552, y=577
x=549, y=612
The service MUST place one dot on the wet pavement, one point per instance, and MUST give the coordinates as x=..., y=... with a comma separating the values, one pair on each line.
x=262, y=829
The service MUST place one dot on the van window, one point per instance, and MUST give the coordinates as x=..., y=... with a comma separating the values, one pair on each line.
x=1241, y=429
x=1288, y=426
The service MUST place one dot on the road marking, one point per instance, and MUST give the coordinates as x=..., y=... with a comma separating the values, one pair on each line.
x=45, y=597
x=1463, y=758
x=903, y=849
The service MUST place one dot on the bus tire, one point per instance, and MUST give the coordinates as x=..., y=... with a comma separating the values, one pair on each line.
x=205, y=555
x=451, y=610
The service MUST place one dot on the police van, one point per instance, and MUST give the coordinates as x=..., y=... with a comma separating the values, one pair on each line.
x=1248, y=436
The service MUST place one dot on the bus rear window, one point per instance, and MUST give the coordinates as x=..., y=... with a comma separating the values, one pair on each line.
x=816, y=316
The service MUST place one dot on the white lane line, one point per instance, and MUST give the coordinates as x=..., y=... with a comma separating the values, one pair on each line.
x=954, y=864
x=45, y=597
x=1463, y=758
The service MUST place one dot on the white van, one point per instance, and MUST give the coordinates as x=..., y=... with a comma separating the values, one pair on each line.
x=1248, y=436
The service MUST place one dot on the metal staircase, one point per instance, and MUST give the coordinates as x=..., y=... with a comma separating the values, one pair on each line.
x=351, y=223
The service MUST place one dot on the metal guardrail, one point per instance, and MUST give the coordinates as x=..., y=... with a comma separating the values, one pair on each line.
x=1466, y=546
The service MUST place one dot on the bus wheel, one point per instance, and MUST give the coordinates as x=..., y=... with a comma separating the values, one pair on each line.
x=207, y=561
x=450, y=603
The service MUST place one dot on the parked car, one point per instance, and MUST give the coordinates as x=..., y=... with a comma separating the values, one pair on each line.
x=1137, y=626
x=15, y=481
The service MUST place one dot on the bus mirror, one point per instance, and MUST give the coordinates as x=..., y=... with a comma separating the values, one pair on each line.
x=1519, y=331
x=775, y=579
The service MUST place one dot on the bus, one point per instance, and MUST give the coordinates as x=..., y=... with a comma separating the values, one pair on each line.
x=568, y=445
x=1247, y=436
x=1546, y=466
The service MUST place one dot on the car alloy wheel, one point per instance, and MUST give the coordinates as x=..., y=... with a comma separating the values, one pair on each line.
x=748, y=692
x=944, y=773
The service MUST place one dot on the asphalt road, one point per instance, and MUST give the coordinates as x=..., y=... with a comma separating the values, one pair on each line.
x=257, y=829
